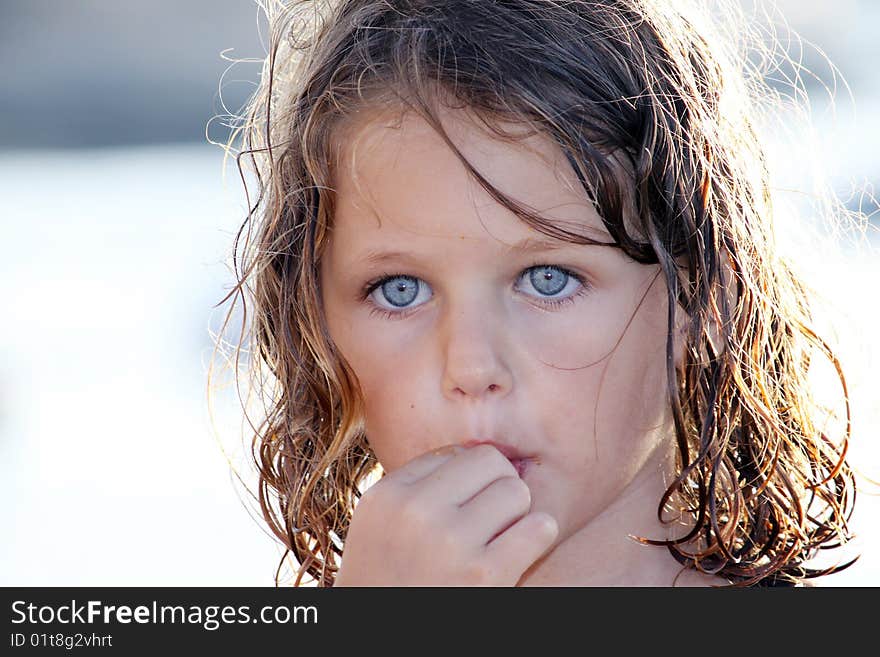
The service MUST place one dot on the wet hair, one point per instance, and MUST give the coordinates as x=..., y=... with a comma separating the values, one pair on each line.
x=654, y=112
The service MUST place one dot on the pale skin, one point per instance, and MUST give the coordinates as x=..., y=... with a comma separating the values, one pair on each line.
x=479, y=352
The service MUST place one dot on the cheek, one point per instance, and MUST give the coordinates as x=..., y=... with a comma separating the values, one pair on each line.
x=618, y=408
x=392, y=375
x=375, y=363
x=626, y=383
x=397, y=415
x=391, y=370
x=633, y=402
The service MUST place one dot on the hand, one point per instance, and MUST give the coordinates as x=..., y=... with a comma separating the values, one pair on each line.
x=454, y=516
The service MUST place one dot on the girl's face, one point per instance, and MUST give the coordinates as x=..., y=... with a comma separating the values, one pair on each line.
x=463, y=323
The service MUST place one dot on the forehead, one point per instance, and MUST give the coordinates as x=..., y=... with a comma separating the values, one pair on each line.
x=395, y=175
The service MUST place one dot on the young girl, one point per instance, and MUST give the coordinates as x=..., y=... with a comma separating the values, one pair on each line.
x=514, y=288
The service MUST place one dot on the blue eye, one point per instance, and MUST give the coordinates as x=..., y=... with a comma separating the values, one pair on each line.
x=548, y=279
x=398, y=291
x=401, y=290
x=392, y=295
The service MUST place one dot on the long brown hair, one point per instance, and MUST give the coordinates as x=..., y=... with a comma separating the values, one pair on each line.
x=654, y=112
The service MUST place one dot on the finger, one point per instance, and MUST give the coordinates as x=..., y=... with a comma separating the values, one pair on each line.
x=497, y=507
x=424, y=464
x=523, y=543
x=470, y=471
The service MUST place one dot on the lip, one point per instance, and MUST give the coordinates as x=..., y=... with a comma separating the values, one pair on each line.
x=519, y=460
x=508, y=451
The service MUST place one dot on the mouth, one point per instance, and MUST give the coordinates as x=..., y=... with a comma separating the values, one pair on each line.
x=517, y=459
x=521, y=466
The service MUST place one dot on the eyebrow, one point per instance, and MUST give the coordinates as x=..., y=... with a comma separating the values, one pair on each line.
x=527, y=245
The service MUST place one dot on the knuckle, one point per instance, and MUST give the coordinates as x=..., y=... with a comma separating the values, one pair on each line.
x=495, y=459
x=519, y=492
x=546, y=525
x=550, y=525
x=513, y=489
x=485, y=451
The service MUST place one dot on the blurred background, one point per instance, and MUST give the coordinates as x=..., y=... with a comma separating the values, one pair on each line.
x=117, y=220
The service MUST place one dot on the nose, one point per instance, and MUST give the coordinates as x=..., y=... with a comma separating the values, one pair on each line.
x=473, y=343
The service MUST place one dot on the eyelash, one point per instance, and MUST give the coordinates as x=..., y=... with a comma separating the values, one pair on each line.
x=402, y=314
